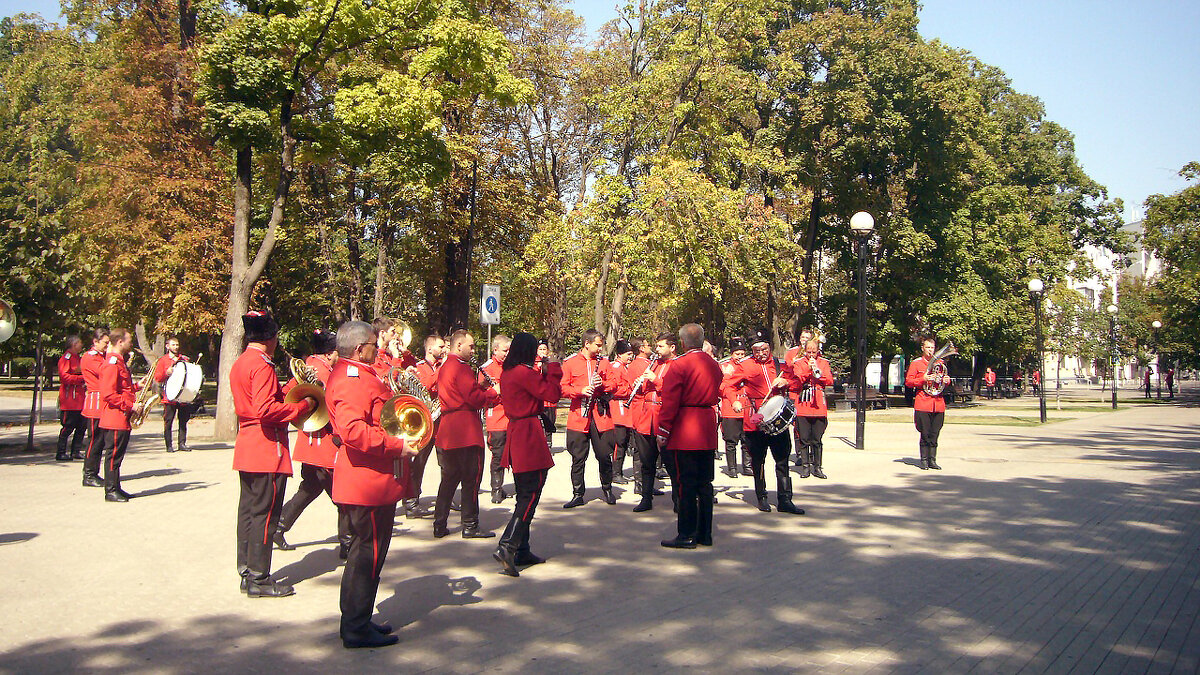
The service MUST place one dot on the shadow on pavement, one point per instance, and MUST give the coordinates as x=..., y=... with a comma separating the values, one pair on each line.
x=16, y=537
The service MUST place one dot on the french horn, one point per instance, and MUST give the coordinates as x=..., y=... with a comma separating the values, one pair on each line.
x=308, y=384
x=409, y=414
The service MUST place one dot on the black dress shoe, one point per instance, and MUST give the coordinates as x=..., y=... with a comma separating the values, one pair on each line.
x=923, y=465
x=76, y=456
x=476, y=533
x=657, y=492
x=679, y=542
x=644, y=505
x=609, y=498
x=526, y=558
x=934, y=465
x=455, y=506
x=371, y=640
x=170, y=449
x=62, y=458
x=788, y=507
x=124, y=494
x=92, y=481
x=704, y=541
x=747, y=471
x=343, y=550
x=440, y=531
x=244, y=583
x=804, y=471
x=183, y=447
x=619, y=479
x=384, y=628
x=280, y=542
x=661, y=473
x=763, y=505
x=508, y=565
x=577, y=500
x=731, y=473
x=114, y=496
x=268, y=588
x=818, y=473
x=498, y=496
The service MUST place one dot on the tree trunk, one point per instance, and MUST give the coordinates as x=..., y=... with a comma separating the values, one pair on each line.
x=601, y=291
x=354, y=250
x=34, y=413
x=885, y=360
x=616, y=314
x=152, y=351
x=381, y=259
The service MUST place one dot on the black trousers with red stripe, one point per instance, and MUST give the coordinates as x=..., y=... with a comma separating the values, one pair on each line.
x=73, y=422
x=313, y=481
x=95, y=448
x=259, y=507
x=115, y=442
x=529, y=493
x=372, y=534
x=691, y=474
x=460, y=466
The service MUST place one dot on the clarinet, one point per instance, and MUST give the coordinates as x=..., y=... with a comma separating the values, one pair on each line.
x=589, y=401
x=642, y=379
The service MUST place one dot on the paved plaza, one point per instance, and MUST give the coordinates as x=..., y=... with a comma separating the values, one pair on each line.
x=1070, y=547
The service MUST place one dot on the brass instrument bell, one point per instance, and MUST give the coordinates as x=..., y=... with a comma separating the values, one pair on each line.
x=406, y=416
x=308, y=384
x=8, y=320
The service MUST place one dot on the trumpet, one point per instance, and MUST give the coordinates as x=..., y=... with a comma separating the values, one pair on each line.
x=308, y=385
x=146, y=397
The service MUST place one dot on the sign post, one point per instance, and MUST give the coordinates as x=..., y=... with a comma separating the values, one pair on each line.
x=489, y=310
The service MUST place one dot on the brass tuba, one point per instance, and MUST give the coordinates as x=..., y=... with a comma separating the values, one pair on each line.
x=308, y=384
x=147, y=396
x=409, y=414
x=8, y=320
x=937, y=367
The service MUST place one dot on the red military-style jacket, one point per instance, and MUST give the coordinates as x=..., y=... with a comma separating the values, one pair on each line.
x=811, y=401
x=526, y=390
x=162, y=371
x=384, y=361
x=653, y=391
x=263, y=417
x=577, y=371
x=117, y=393
x=729, y=395
x=70, y=382
x=461, y=397
x=756, y=377
x=316, y=448
x=90, y=364
x=364, y=472
x=639, y=407
x=689, y=392
x=915, y=377
x=622, y=414
x=427, y=373
x=495, y=417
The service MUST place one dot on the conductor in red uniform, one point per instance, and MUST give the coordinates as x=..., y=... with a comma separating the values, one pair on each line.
x=929, y=412
x=171, y=410
x=90, y=364
x=812, y=414
x=315, y=452
x=526, y=389
x=117, y=393
x=70, y=401
x=687, y=432
x=366, y=482
x=587, y=378
x=260, y=453
x=460, y=437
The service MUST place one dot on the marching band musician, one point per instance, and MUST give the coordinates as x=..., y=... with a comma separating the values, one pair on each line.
x=260, y=453
x=762, y=375
x=586, y=378
x=812, y=415
x=623, y=353
x=116, y=403
x=316, y=453
x=929, y=412
x=802, y=461
x=89, y=365
x=171, y=409
x=687, y=433
x=460, y=437
x=70, y=401
x=526, y=388
x=366, y=486
x=390, y=351
x=497, y=422
x=665, y=348
x=550, y=410
x=641, y=435
x=733, y=412
x=426, y=371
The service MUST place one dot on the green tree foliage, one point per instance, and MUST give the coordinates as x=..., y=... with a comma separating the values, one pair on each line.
x=1173, y=233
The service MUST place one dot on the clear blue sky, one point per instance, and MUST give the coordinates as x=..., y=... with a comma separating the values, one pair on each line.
x=1123, y=77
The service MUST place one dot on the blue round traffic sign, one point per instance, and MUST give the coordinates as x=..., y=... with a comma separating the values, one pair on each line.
x=492, y=304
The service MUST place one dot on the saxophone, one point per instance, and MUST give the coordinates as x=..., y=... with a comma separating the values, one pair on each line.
x=146, y=397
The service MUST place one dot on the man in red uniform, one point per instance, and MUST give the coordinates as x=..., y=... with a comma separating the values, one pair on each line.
x=497, y=421
x=763, y=376
x=366, y=481
x=733, y=409
x=90, y=364
x=641, y=435
x=460, y=437
x=687, y=432
x=813, y=374
x=315, y=452
x=391, y=352
x=802, y=461
x=426, y=371
x=70, y=401
x=929, y=412
x=623, y=353
x=260, y=453
x=116, y=402
x=587, y=377
x=666, y=345
x=550, y=409
x=162, y=370
x=989, y=381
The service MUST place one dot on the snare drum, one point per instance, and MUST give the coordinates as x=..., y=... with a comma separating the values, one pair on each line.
x=183, y=384
x=777, y=413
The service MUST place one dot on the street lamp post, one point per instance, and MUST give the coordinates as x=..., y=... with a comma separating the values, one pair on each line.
x=1112, y=337
x=1035, y=291
x=862, y=225
x=1157, y=361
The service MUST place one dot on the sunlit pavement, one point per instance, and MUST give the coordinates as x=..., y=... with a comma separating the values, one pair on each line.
x=1069, y=547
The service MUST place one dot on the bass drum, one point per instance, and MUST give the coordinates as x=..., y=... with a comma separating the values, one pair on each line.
x=777, y=413
x=183, y=384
